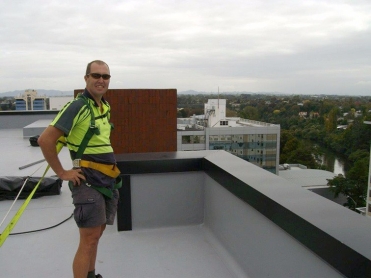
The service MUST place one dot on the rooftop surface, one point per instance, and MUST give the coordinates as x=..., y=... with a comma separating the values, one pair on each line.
x=187, y=251
x=236, y=122
x=307, y=177
x=237, y=220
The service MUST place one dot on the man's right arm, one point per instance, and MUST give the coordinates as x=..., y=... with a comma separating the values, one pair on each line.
x=47, y=142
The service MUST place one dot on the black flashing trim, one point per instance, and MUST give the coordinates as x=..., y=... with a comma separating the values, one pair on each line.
x=124, y=220
x=159, y=166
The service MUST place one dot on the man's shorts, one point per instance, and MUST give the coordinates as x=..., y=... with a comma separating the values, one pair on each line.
x=92, y=209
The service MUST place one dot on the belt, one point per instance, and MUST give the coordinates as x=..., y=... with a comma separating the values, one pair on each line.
x=107, y=169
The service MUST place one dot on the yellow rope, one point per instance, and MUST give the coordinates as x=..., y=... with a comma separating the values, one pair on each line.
x=13, y=222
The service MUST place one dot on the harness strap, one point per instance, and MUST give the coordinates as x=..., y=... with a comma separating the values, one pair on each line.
x=108, y=169
x=103, y=190
x=93, y=129
x=106, y=191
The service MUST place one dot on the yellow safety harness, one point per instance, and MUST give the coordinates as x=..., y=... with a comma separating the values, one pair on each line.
x=107, y=169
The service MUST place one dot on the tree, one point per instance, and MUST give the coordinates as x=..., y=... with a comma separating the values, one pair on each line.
x=296, y=152
x=354, y=186
x=230, y=113
x=359, y=154
x=359, y=171
x=353, y=190
x=291, y=145
x=181, y=113
x=285, y=137
x=304, y=156
x=249, y=112
x=331, y=120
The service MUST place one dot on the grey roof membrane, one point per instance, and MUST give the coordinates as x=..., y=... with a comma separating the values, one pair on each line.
x=188, y=251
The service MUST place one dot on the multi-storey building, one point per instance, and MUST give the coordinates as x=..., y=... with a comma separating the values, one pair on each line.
x=29, y=100
x=256, y=142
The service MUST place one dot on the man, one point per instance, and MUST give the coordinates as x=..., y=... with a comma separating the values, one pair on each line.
x=91, y=180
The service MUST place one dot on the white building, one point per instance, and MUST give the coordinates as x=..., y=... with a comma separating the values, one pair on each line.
x=256, y=142
x=30, y=100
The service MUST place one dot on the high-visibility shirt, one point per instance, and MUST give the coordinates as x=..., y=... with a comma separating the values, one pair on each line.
x=74, y=120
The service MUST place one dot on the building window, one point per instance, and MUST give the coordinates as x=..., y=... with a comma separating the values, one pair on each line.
x=198, y=139
x=186, y=139
x=193, y=139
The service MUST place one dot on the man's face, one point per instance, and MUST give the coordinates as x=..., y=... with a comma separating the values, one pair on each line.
x=97, y=87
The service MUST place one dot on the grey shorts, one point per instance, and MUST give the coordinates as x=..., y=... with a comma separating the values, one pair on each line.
x=92, y=209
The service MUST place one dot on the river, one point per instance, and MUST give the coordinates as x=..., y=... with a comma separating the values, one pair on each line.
x=333, y=162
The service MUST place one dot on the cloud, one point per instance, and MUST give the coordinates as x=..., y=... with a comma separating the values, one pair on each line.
x=288, y=46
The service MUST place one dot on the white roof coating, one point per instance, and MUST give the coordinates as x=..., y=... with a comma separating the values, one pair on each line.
x=235, y=234
x=307, y=177
x=189, y=251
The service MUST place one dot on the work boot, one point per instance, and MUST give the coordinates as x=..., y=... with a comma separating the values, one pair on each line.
x=91, y=274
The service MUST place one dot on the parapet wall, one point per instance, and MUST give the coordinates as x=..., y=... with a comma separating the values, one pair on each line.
x=270, y=227
x=20, y=119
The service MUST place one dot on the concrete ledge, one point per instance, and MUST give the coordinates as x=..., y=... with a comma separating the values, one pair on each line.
x=36, y=128
x=334, y=233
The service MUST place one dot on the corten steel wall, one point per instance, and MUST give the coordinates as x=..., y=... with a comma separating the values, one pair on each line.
x=144, y=120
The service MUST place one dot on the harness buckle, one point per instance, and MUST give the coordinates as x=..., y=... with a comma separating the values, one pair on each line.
x=76, y=163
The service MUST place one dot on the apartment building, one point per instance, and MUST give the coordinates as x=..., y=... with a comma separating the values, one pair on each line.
x=253, y=141
x=29, y=100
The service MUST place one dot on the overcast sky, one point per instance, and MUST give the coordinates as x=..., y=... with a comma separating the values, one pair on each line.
x=287, y=46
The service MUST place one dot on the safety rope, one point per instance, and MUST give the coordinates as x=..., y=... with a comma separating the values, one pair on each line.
x=4, y=235
x=19, y=193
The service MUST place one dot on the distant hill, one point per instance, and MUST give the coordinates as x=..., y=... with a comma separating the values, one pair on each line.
x=54, y=93
x=40, y=92
x=193, y=92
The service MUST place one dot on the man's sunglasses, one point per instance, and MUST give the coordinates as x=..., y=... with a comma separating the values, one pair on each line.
x=98, y=76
